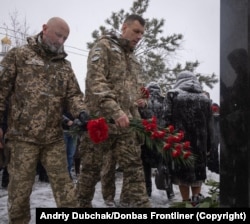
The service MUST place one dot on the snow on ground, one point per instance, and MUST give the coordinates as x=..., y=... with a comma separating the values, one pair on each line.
x=42, y=196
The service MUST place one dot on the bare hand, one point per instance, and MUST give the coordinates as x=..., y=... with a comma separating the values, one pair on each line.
x=70, y=122
x=141, y=103
x=122, y=121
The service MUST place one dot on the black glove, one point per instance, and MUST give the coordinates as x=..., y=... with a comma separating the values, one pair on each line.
x=84, y=118
x=77, y=122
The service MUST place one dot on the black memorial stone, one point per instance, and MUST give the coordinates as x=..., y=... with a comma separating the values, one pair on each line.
x=234, y=104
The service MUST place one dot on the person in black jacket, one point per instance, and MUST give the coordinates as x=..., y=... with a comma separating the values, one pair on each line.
x=151, y=158
x=3, y=152
x=189, y=110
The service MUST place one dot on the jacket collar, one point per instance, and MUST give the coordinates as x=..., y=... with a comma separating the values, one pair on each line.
x=35, y=42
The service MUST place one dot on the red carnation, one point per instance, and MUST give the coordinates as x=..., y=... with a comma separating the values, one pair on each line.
x=170, y=128
x=167, y=146
x=176, y=153
x=186, y=154
x=144, y=92
x=98, y=130
x=186, y=144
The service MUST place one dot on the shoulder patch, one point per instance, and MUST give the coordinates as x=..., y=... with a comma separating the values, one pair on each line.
x=97, y=49
x=115, y=48
x=95, y=58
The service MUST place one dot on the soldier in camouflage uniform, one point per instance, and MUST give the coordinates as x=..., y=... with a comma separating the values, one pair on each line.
x=39, y=82
x=113, y=91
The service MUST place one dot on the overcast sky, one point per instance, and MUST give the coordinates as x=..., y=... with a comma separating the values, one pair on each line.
x=197, y=20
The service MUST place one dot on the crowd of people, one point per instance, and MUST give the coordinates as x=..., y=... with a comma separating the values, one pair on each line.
x=44, y=98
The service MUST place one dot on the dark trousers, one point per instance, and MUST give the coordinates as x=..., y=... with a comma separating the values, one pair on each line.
x=5, y=178
x=148, y=181
x=43, y=177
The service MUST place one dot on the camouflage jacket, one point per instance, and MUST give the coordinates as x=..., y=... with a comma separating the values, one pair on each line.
x=113, y=80
x=38, y=85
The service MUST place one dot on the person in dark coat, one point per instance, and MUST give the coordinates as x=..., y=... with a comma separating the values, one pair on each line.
x=189, y=110
x=3, y=152
x=151, y=158
x=213, y=163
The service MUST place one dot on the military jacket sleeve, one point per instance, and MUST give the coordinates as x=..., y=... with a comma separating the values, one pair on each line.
x=112, y=81
x=7, y=79
x=37, y=87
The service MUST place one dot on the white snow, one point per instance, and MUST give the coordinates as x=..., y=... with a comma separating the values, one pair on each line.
x=42, y=196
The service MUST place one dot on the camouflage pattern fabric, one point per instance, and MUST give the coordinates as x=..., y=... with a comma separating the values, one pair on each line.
x=93, y=158
x=105, y=164
x=38, y=85
x=112, y=86
x=91, y=163
x=22, y=170
x=108, y=175
x=128, y=152
x=113, y=81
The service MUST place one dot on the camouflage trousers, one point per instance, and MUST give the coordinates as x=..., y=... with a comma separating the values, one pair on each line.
x=24, y=157
x=126, y=152
x=108, y=176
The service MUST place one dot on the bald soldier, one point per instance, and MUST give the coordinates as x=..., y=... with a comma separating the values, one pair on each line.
x=39, y=82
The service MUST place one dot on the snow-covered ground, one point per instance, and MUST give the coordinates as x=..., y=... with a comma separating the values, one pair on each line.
x=42, y=196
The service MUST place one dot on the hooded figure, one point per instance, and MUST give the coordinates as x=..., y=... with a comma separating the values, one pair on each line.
x=154, y=108
x=189, y=110
x=155, y=103
x=151, y=158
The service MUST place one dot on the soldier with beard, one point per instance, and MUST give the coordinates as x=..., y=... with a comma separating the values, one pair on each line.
x=39, y=82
